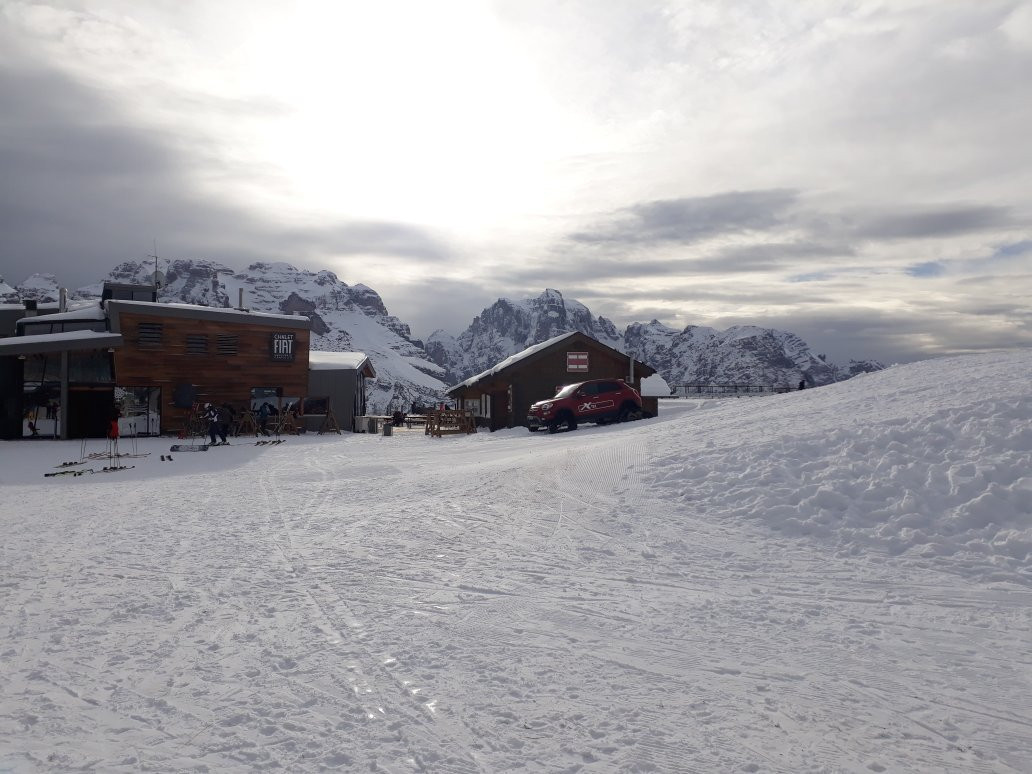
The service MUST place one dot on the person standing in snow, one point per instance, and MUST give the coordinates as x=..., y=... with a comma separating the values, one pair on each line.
x=263, y=417
x=211, y=416
x=226, y=414
x=802, y=384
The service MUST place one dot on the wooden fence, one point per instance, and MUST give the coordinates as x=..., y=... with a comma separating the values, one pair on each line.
x=450, y=422
x=726, y=390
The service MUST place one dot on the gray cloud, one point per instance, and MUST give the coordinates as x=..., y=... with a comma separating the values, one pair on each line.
x=692, y=219
x=82, y=190
x=933, y=223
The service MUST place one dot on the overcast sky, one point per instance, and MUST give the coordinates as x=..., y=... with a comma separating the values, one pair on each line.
x=859, y=173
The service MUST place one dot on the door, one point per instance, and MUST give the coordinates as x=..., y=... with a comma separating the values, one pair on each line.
x=90, y=412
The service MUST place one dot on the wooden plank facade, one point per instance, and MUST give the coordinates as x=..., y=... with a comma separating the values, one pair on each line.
x=198, y=354
x=502, y=397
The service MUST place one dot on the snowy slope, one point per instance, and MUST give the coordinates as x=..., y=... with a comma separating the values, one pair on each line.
x=832, y=580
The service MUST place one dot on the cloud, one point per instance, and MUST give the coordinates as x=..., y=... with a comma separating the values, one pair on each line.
x=691, y=219
x=928, y=269
x=932, y=222
x=83, y=189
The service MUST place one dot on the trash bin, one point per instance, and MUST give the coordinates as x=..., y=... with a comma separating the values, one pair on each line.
x=388, y=428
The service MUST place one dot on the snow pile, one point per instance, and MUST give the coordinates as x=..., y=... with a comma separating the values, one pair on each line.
x=655, y=386
x=932, y=459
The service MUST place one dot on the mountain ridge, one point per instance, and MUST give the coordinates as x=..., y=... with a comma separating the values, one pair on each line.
x=355, y=318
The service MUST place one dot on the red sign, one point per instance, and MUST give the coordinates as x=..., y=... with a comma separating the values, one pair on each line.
x=576, y=361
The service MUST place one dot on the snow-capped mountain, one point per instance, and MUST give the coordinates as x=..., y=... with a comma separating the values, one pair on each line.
x=344, y=318
x=507, y=327
x=743, y=354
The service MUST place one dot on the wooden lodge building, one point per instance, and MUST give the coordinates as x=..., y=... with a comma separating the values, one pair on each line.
x=69, y=374
x=501, y=396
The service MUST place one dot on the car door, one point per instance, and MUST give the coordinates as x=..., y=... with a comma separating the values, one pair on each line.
x=605, y=400
x=585, y=395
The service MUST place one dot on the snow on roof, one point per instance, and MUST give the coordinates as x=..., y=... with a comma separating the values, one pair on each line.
x=319, y=360
x=513, y=359
x=56, y=342
x=91, y=311
x=158, y=305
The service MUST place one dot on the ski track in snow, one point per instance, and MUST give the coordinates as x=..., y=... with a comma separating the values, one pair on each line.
x=726, y=588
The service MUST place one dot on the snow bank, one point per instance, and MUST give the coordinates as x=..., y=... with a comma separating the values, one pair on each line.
x=933, y=459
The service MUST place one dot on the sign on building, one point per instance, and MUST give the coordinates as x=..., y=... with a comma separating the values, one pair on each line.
x=283, y=347
x=576, y=361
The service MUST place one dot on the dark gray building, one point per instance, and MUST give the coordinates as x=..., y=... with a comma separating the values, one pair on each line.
x=336, y=379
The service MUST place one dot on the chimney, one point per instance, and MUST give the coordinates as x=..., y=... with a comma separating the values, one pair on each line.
x=62, y=305
x=240, y=305
x=30, y=307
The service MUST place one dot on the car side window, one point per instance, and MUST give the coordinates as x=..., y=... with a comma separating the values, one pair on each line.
x=588, y=389
x=608, y=387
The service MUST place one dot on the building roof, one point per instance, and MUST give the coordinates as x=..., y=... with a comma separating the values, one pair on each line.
x=58, y=342
x=530, y=352
x=320, y=360
x=92, y=311
x=197, y=312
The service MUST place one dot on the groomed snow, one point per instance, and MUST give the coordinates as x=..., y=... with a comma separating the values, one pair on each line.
x=830, y=580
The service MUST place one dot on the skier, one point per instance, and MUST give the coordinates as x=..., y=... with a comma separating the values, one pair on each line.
x=211, y=415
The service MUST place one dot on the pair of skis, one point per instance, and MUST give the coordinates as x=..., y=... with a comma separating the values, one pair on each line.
x=112, y=469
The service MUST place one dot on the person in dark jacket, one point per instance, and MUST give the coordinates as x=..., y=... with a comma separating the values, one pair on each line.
x=211, y=416
x=264, y=411
x=226, y=415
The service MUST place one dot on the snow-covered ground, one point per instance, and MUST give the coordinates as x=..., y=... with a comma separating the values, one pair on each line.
x=832, y=580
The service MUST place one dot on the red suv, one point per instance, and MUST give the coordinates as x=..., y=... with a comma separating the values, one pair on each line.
x=598, y=400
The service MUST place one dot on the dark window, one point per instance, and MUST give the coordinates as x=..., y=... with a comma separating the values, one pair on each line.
x=608, y=387
x=227, y=344
x=89, y=366
x=149, y=334
x=196, y=344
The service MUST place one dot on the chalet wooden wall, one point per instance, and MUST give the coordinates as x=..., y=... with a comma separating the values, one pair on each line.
x=217, y=376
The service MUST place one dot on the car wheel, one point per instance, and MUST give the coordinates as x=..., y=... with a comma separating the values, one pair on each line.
x=630, y=413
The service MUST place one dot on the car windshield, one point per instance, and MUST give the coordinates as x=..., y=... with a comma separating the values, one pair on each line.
x=567, y=389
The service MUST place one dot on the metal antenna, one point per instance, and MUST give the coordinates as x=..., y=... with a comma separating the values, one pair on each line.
x=157, y=273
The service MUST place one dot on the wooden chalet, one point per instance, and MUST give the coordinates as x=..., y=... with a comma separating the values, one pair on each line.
x=69, y=374
x=501, y=396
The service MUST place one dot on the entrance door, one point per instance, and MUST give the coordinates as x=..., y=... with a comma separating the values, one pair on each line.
x=90, y=412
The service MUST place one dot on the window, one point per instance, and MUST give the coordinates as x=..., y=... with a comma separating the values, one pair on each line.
x=227, y=344
x=149, y=334
x=576, y=361
x=196, y=344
